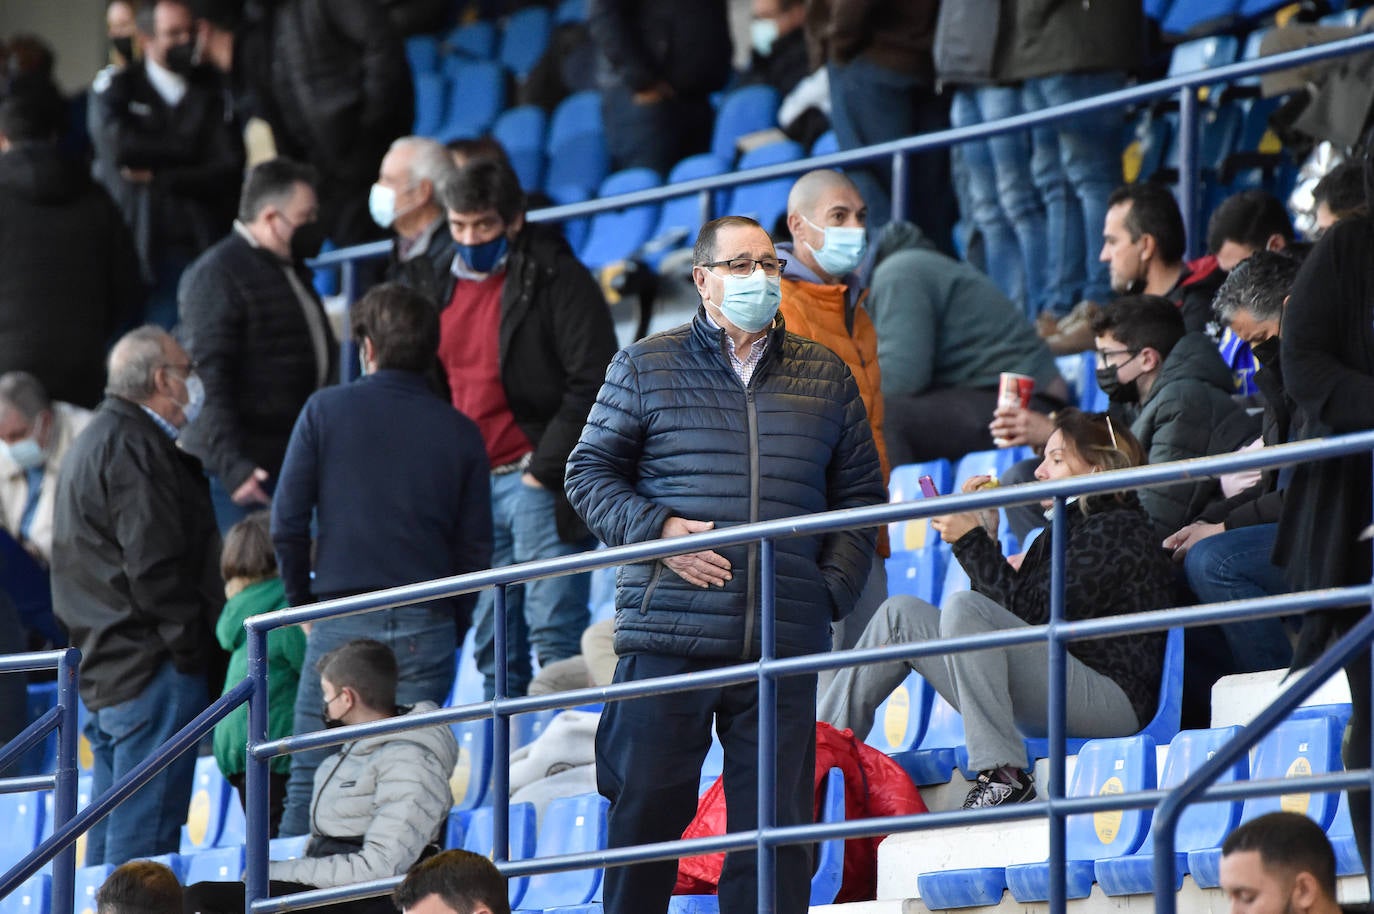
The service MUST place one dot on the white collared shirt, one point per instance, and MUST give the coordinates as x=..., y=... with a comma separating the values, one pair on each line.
x=171, y=86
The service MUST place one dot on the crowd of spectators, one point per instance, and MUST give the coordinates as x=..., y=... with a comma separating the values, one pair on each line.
x=142, y=257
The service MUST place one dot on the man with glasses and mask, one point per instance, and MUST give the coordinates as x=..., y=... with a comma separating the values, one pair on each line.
x=250, y=317
x=135, y=580
x=723, y=421
x=171, y=154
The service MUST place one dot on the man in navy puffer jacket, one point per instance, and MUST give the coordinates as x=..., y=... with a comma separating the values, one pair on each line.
x=726, y=420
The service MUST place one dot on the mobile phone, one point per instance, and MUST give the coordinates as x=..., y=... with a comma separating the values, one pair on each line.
x=927, y=485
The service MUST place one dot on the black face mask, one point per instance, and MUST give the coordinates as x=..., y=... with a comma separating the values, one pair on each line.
x=306, y=241
x=124, y=47
x=329, y=722
x=1116, y=390
x=1266, y=352
x=181, y=58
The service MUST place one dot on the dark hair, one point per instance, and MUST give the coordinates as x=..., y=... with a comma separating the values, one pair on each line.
x=1138, y=321
x=1250, y=218
x=705, y=249
x=402, y=324
x=484, y=184
x=477, y=149
x=462, y=879
x=225, y=15
x=29, y=114
x=30, y=55
x=1258, y=284
x=1287, y=841
x=140, y=887
x=247, y=551
x=1342, y=190
x=25, y=393
x=272, y=183
x=1098, y=440
x=1153, y=212
x=367, y=667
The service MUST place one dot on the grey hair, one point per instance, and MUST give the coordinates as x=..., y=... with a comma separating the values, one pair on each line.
x=1257, y=285
x=22, y=391
x=431, y=161
x=134, y=362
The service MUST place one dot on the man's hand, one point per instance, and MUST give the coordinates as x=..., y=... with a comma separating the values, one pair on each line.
x=251, y=491
x=1013, y=426
x=528, y=479
x=1185, y=539
x=703, y=569
x=654, y=94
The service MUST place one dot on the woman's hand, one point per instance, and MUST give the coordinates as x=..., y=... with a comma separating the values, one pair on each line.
x=952, y=527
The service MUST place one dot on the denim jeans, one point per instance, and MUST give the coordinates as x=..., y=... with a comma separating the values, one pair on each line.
x=1235, y=565
x=1076, y=164
x=425, y=641
x=872, y=104
x=121, y=736
x=548, y=615
x=1006, y=206
x=656, y=135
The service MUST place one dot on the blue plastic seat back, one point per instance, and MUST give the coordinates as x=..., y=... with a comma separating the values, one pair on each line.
x=524, y=39
x=576, y=114
x=33, y=896
x=899, y=722
x=764, y=200
x=825, y=144
x=574, y=230
x=522, y=132
x=478, y=839
x=467, y=683
x=475, y=41
x=1347, y=19
x=617, y=234
x=1342, y=837
x=576, y=167
x=743, y=111
x=944, y=725
x=994, y=463
x=1202, y=824
x=714, y=763
x=571, y=11
x=174, y=862
x=89, y=879
x=1199, y=17
x=917, y=574
x=210, y=799
x=571, y=825
x=42, y=758
x=472, y=775
x=477, y=94
x=1110, y=766
x=1254, y=9
x=825, y=882
x=913, y=535
x=679, y=219
x=956, y=580
x=1203, y=54
x=430, y=94
x=222, y=864
x=1296, y=748
x=525, y=728
x=1157, y=9
x=422, y=53
x=290, y=848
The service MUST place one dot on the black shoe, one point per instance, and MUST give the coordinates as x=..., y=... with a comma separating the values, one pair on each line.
x=999, y=786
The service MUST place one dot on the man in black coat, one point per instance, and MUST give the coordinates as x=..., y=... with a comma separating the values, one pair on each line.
x=253, y=323
x=68, y=271
x=135, y=577
x=175, y=151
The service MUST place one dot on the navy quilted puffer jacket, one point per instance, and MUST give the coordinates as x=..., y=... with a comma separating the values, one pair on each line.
x=675, y=433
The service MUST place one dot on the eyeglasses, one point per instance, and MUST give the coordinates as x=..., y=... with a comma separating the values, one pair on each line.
x=744, y=266
x=1104, y=356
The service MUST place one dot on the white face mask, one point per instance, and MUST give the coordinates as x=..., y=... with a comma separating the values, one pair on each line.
x=28, y=453
x=762, y=35
x=195, y=398
x=381, y=204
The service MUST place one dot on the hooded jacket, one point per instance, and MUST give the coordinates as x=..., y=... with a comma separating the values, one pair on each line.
x=389, y=792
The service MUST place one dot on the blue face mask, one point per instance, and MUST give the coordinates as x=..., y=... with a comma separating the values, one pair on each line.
x=750, y=302
x=762, y=34
x=843, y=249
x=483, y=258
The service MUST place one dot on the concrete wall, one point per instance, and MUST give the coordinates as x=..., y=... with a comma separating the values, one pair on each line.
x=74, y=28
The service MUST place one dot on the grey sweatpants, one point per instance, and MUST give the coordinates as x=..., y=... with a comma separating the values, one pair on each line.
x=1002, y=693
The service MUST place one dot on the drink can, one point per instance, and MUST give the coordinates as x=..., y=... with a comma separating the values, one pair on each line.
x=1015, y=389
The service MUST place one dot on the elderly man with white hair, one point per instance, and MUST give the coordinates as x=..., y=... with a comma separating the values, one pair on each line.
x=405, y=199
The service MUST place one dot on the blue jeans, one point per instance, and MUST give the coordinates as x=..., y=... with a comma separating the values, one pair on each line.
x=1235, y=565
x=872, y=104
x=656, y=135
x=548, y=615
x=122, y=735
x=1076, y=165
x=227, y=513
x=425, y=641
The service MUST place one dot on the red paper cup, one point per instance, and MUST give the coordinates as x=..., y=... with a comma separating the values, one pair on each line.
x=1015, y=389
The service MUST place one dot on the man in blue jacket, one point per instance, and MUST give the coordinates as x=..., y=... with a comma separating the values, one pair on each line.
x=727, y=420
x=397, y=482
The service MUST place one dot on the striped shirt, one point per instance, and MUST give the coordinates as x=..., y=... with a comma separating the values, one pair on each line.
x=744, y=369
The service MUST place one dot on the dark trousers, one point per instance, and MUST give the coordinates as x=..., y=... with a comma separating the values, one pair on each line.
x=276, y=796
x=1357, y=748
x=228, y=898
x=655, y=135
x=648, y=762
x=948, y=422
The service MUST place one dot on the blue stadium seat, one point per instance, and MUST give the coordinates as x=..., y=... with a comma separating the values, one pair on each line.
x=34, y=896
x=679, y=219
x=900, y=721
x=223, y=864
x=525, y=728
x=1254, y=9
x=574, y=230
x=291, y=848
x=477, y=93
x=617, y=234
x=467, y=683
x=1154, y=134
x=1201, y=825
x=89, y=879
x=576, y=114
x=825, y=144
x=714, y=763
x=913, y=535
x=956, y=579
x=422, y=53
x=1203, y=54
x=744, y=111
x=475, y=41
x=1342, y=837
x=521, y=131
x=524, y=39
x=571, y=825
x=211, y=796
x=42, y=758
x=919, y=574
x=83, y=799
x=577, y=165
x=430, y=89
x=1348, y=19
x=1157, y=9
x=472, y=775
x=1091, y=399
x=994, y=463
x=174, y=862
x=1199, y=17
x=764, y=200
x=934, y=760
x=22, y=814
x=478, y=838
x=1298, y=747
x=570, y=12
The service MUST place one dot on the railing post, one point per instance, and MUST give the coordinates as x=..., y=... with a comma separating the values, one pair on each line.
x=1058, y=676
x=899, y=186
x=768, y=736
x=500, y=735
x=64, y=792
x=256, y=795
x=704, y=202
x=348, y=287
x=1187, y=166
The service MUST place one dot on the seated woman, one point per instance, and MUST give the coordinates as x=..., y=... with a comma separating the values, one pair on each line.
x=1114, y=565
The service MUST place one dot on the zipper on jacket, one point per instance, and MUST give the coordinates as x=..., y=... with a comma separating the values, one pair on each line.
x=652, y=586
x=751, y=562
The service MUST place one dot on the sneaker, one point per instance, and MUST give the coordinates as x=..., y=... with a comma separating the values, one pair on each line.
x=999, y=786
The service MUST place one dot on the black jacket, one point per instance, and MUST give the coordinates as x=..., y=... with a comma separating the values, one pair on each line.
x=556, y=338
x=894, y=34
x=243, y=324
x=675, y=434
x=68, y=273
x=685, y=43
x=135, y=559
x=428, y=272
x=194, y=150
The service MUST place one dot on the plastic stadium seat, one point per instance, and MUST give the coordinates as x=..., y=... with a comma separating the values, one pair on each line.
x=679, y=219
x=577, y=166
x=1254, y=9
x=210, y=801
x=174, y=862
x=524, y=39
x=574, y=230
x=714, y=762
x=1296, y=748
x=765, y=200
x=1104, y=766
x=89, y=879
x=918, y=574
x=467, y=683
x=617, y=234
x=1201, y=825
x=223, y=864
x=1199, y=17
x=1344, y=19
x=899, y=722
x=570, y=12
x=571, y=825
x=1157, y=9
x=578, y=113
x=422, y=53
x=22, y=814
x=905, y=485
x=287, y=848
x=956, y=579
x=475, y=41
x=1203, y=54
x=477, y=93
x=472, y=775
x=1342, y=837
x=1091, y=399
x=477, y=838
x=525, y=728
x=825, y=144
x=34, y=896
x=430, y=90
x=521, y=132
x=42, y=758
x=993, y=463
x=934, y=760
x=743, y=111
